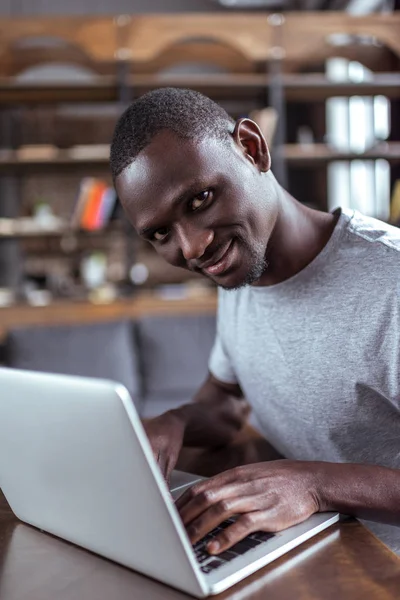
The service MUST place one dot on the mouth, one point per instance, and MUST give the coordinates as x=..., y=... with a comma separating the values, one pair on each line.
x=221, y=265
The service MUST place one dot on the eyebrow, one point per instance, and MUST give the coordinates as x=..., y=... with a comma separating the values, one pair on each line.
x=193, y=188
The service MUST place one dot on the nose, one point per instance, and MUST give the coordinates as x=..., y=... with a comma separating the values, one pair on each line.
x=194, y=242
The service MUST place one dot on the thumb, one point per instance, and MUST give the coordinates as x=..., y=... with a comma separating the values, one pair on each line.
x=170, y=462
x=163, y=466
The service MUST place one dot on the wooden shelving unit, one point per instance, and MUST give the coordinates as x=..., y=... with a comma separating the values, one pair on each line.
x=55, y=157
x=12, y=229
x=315, y=154
x=302, y=87
x=297, y=87
x=299, y=154
x=262, y=60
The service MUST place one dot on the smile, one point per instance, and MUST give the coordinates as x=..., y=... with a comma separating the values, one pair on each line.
x=222, y=264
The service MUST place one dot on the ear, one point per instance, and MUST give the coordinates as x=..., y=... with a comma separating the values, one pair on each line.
x=250, y=140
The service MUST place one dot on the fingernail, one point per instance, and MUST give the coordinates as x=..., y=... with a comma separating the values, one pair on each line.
x=214, y=546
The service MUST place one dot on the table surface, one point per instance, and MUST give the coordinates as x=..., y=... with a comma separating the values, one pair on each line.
x=345, y=562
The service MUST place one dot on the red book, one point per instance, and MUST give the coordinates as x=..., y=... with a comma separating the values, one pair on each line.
x=89, y=219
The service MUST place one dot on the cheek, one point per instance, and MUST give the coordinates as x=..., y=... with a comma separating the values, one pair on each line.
x=252, y=223
x=245, y=206
x=171, y=254
x=261, y=218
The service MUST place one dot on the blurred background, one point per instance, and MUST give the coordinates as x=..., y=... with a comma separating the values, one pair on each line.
x=321, y=77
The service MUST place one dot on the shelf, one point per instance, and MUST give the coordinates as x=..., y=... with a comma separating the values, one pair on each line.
x=100, y=89
x=315, y=86
x=299, y=87
x=314, y=154
x=302, y=86
x=139, y=305
x=99, y=155
x=18, y=228
x=49, y=156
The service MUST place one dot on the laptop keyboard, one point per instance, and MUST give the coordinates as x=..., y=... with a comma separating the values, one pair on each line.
x=210, y=562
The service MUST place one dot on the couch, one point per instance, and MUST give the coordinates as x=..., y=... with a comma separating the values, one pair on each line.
x=162, y=360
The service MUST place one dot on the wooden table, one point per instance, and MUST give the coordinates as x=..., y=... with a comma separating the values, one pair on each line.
x=344, y=562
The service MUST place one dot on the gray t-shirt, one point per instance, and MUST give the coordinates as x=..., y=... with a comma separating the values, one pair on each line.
x=317, y=356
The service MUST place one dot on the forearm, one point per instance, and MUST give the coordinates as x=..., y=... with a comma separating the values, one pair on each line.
x=206, y=425
x=366, y=491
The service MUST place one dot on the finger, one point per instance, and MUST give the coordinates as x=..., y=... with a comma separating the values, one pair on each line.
x=210, y=486
x=220, y=512
x=162, y=464
x=170, y=465
x=201, y=501
x=245, y=525
x=191, y=493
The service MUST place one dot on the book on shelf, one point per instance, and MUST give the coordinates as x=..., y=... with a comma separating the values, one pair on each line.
x=395, y=204
x=94, y=205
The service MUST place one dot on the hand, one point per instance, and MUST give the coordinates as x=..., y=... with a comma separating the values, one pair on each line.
x=268, y=496
x=165, y=435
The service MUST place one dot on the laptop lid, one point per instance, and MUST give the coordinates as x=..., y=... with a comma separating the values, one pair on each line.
x=75, y=461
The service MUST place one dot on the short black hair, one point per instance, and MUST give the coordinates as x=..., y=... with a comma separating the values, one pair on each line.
x=187, y=113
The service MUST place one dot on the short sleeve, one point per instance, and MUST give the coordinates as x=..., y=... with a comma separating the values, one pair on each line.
x=220, y=364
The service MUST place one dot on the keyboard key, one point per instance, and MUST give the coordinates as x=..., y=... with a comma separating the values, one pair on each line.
x=263, y=536
x=211, y=535
x=251, y=541
x=227, y=555
x=244, y=545
x=202, y=555
x=213, y=564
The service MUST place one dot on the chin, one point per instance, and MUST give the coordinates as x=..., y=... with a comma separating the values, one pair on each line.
x=241, y=277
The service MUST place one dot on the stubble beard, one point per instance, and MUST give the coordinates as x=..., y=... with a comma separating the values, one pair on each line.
x=258, y=266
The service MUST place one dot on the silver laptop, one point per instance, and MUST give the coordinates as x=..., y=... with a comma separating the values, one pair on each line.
x=75, y=462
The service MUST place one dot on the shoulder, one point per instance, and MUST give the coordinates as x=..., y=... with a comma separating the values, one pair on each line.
x=372, y=233
x=371, y=244
x=369, y=254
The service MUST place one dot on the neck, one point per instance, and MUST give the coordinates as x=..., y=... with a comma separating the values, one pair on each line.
x=299, y=235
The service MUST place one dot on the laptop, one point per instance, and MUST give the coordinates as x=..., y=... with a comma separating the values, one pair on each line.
x=75, y=462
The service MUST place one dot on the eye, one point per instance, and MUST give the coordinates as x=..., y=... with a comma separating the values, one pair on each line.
x=199, y=200
x=160, y=234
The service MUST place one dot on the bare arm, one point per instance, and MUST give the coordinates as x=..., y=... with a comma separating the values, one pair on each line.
x=275, y=495
x=217, y=413
x=365, y=491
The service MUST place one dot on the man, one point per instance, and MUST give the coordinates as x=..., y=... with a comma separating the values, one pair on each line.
x=308, y=322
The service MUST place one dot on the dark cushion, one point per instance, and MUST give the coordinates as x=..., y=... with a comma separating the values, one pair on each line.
x=103, y=350
x=174, y=352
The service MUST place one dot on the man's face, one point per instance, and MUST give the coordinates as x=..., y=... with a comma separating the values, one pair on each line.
x=204, y=206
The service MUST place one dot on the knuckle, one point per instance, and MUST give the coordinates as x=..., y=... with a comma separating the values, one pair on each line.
x=192, y=492
x=223, y=506
x=199, y=492
x=236, y=472
x=206, y=496
x=193, y=530
x=248, y=520
x=224, y=538
x=199, y=487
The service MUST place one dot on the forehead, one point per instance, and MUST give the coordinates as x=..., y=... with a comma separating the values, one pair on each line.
x=165, y=169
